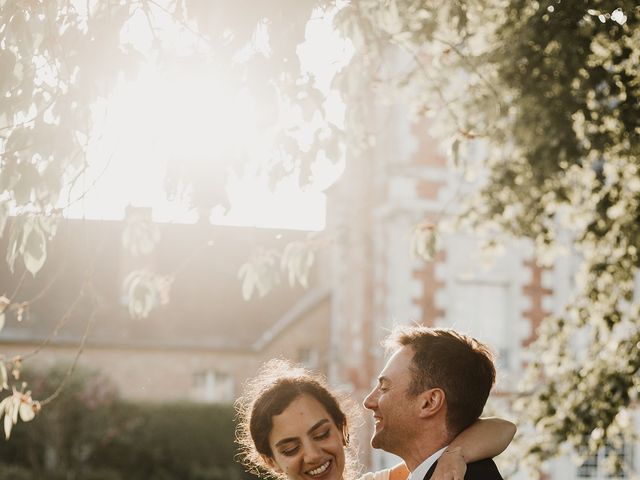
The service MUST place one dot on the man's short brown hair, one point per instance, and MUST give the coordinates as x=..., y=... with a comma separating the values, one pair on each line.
x=458, y=364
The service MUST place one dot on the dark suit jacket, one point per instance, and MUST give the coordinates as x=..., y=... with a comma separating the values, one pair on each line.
x=482, y=470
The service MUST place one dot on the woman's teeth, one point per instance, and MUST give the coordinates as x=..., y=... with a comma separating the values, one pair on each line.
x=320, y=470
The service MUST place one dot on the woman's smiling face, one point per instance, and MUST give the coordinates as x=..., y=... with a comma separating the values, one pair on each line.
x=306, y=443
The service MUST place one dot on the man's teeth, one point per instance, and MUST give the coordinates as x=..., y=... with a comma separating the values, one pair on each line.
x=321, y=469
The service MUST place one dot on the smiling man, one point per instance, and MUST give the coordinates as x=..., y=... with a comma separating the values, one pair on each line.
x=433, y=387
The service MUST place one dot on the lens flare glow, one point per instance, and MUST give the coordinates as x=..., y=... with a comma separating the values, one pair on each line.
x=193, y=114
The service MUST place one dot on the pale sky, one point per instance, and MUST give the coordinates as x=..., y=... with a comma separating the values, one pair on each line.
x=143, y=120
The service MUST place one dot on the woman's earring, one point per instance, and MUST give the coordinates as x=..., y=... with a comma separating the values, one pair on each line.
x=345, y=439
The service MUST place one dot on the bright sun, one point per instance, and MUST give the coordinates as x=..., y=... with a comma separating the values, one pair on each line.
x=200, y=118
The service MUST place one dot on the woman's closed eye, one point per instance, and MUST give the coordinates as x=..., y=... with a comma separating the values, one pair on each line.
x=290, y=451
x=322, y=435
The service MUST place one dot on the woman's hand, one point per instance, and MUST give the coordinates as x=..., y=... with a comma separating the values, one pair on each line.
x=451, y=465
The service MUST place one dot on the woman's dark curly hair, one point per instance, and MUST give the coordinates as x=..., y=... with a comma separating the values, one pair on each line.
x=269, y=393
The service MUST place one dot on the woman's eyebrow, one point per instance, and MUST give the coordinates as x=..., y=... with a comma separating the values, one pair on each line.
x=318, y=425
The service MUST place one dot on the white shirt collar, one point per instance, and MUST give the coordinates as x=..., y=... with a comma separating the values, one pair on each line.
x=423, y=468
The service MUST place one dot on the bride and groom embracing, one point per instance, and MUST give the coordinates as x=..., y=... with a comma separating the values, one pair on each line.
x=426, y=408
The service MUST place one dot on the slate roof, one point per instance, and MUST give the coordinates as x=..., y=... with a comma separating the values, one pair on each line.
x=206, y=309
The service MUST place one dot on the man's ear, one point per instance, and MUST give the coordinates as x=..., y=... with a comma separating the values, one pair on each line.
x=271, y=463
x=432, y=401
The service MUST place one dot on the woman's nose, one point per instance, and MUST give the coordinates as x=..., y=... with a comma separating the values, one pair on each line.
x=312, y=453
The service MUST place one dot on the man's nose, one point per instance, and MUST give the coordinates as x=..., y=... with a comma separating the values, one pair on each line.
x=371, y=400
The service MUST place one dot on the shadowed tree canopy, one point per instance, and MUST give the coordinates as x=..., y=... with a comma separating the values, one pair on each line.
x=548, y=91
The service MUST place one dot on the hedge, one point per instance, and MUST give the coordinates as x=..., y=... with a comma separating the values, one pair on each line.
x=89, y=434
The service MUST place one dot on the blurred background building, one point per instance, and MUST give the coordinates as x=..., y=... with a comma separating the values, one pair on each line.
x=202, y=344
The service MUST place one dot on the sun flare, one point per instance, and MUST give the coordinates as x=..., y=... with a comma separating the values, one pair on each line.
x=173, y=116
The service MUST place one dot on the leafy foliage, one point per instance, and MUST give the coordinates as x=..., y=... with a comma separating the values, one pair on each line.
x=51, y=79
x=146, y=291
x=548, y=90
x=18, y=405
x=56, y=82
x=75, y=423
x=264, y=269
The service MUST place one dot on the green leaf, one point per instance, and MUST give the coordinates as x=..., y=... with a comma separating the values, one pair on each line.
x=455, y=152
x=15, y=240
x=29, y=239
x=18, y=140
x=249, y=277
x=28, y=180
x=4, y=377
x=4, y=215
x=146, y=291
x=8, y=424
x=140, y=234
x=8, y=176
x=297, y=259
x=4, y=303
x=424, y=241
x=48, y=224
x=7, y=63
x=35, y=249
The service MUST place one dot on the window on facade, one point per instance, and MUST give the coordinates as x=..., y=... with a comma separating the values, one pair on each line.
x=213, y=386
x=480, y=310
x=503, y=359
x=597, y=467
